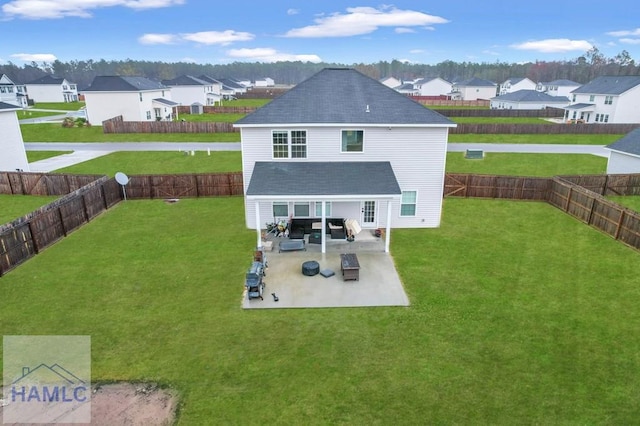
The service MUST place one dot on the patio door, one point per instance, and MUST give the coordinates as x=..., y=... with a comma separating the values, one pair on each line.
x=368, y=213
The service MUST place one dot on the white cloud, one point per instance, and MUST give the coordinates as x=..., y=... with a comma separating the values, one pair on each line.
x=630, y=40
x=54, y=9
x=267, y=54
x=635, y=32
x=491, y=52
x=158, y=39
x=554, y=45
x=404, y=30
x=35, y=57
x=293, y=11
x=414, y=51
x=223, y=38
x=364, y=20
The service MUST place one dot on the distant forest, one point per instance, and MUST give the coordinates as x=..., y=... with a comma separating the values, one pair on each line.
x=581, y=69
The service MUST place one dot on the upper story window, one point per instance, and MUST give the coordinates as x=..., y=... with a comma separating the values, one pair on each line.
x=289, y=144
x=573, y=98
x=608, y=100
x=64, y=87
x=140, y=96
x=592, y=98
x=352, y=140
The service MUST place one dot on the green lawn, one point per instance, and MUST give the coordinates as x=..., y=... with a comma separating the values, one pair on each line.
x=57, y=133
x=527, y=164
x=217, y=118
x=15, y=206
x=539, y=329
x=26, y=114
x=41, y=155
x=630, y=201
x=543, y=139
x=246, y=103
x=67, y=106
x=153, y=162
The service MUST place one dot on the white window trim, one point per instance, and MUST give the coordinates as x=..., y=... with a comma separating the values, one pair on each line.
x=290, y=144
x=352, y=130
x=414, y=203
x=279, y=203
x=318, y=205
x=301, y=203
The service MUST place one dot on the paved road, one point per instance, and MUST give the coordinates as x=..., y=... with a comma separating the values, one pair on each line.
x=83, y=151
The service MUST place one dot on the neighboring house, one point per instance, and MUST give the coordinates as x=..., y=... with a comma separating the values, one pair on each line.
x=608, y=99
x=435, y=86
x=558, y=87
x=134, y=98
x=189, y=90
x=52, y=89
x=231, y=88
x=625, y=154
x=13, y=155
x=528, y=99
x=514, y=84
x=391, y=82
x=343, y=145
x=407, y=89
x=264, y=82
x=12, y=93
x=473, y=89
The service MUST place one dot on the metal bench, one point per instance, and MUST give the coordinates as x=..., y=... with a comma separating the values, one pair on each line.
x=291, y=245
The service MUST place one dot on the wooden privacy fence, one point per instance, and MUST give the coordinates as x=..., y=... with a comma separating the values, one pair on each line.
x=28, y=235
x=619, y=222
x=117, y=125
x=543, y=113
x=490, y=186
x=185, y=185
x=23, y=183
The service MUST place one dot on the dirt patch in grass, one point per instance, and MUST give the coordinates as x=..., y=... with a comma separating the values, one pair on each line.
x=130, y=404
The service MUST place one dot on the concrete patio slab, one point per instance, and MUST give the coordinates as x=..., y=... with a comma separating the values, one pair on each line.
x=379, y=283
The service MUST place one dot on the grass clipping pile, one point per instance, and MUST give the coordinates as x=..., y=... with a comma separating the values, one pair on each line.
x=131, y=404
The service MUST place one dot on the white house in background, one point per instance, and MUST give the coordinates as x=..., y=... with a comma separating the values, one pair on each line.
x=528, y=99
x=473, y=89
x=231, y=88
x=264, y=82
x=607, y=99
x=343, y=145
x=407, y=89
x=189, y=90
x=624, y=156
x=134, y=98
x=514, y=84
x=390, y=82
x=12, y=93
x=13, y=155
x=558, y=87
x=434, y=86
x=52, y=89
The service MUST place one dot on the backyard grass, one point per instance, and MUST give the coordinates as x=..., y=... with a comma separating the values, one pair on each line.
x=217, y=118
x=26, y=114
x=527, y=164
x=154, y=162
x=41, y=155
x=543, y=139
x=66, y=106
x=57, y=133
x=630, y=201
x=246, y=103
x=15, y=206
x=519, y=315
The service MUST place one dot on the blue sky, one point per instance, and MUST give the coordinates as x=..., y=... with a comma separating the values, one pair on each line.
x=346, y=32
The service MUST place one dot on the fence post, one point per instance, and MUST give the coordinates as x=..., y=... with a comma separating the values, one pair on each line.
x=566, y=207
x=617, y=235
x=36, y=249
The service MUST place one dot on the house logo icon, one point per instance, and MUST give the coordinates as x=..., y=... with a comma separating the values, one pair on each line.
x=46, y=383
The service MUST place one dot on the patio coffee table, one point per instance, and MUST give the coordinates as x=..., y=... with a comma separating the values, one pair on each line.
x=350, y=267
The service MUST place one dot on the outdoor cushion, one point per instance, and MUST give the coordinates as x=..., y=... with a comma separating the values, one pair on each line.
x=327, y=273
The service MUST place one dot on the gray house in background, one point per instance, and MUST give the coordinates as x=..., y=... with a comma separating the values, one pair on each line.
x=625, y=154
x=343, y=145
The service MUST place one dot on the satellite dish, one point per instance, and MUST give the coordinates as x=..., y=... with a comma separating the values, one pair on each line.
x=122, y=179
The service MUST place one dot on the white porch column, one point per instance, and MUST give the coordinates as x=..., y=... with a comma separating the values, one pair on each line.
x=387, y=234
x=323, y=227
x=258, y=230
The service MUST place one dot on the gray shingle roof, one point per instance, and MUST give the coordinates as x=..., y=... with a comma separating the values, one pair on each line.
x=629, y=143
x=185, y=80
x=166, y=102
x=48, y=79
x=476, y=82
x=579, y=106
x=341, y=96
x=531, y=96
x=4, y=105
x=562, y=82
x=288, y=178
x=116, y=83
x=609, y=85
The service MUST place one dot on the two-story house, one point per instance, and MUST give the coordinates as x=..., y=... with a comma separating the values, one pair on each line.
x=341, y=144
x=12, y=93
x=263, y=82
x=528, y=99
x=134, y=98
x=514, y=84
x=562, y=87
x=391, y=82
x=607, y=99
x=473, y=89
x=13, y=156
x=188, y=90
x=433, y=86
x=52, y=89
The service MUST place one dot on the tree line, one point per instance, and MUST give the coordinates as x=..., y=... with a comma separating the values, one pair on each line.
x=581, y=69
